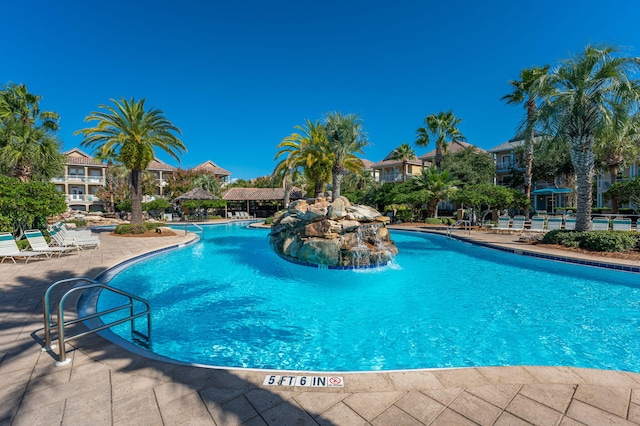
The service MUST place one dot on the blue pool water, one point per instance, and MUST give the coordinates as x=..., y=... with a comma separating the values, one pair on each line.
x=230, y=301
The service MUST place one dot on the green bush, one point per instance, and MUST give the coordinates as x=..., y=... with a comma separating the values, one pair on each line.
x=433, y=221
x=268, y=221
x=603, y=241
x=608, y=241
x=137, y=228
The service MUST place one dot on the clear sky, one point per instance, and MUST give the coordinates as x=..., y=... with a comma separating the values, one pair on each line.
x=237, y=76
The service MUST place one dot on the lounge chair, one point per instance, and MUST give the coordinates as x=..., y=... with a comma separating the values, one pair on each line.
x=537, y=224
x=503, y=224
x=570, y=223
x=554, y=223
x=517, y=224
x=67, y=232
x=229, y=215
x=80, y=243
x=9, y=249
x=38, y=243
x=622, y=224
x=600, y=224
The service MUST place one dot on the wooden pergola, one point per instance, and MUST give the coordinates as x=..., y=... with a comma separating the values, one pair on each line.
x=254, y=197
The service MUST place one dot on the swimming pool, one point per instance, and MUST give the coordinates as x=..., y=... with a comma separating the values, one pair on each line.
x=230, y=301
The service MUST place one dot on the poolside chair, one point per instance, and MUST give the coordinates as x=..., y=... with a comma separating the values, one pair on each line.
x=229, y=215
x=537, y=224
x=554, y=223
x=622, y=224
x=570, y=223
x=38, y=243
x=71, y=232
x=503, y=224
x=517, y=224
x=600, y=224
x=9, y=249
x=80, y=243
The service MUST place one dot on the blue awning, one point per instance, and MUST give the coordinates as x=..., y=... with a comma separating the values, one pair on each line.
x=552, y=191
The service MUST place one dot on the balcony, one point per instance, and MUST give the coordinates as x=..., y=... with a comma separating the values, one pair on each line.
x=97, y=180
x=73, y=198
x=506, y=166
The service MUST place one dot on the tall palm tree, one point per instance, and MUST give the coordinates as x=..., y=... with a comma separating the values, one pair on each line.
x=404, y=153
x=307, y=149
x=443, y=128
x=131, y=132
x=209, y=183
x=527, y=91
x=29, y=147
x=439, y=184
x=618, y=145
x=584, y=94
x=346, y=138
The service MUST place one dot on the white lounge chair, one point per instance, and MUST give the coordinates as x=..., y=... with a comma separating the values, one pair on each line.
x=517, y=224
x=38, y=243
x=554, y=223
x=80, y=243
x=622, y=224
x=537, y=224
x=503, y=223
x=9, y=249
x=600, y=224
x=570, y=223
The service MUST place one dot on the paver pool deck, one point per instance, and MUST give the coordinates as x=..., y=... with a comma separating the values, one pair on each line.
x=105, y=384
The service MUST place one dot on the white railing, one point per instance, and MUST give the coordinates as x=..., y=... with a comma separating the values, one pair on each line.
x=80, y=178
x=81, y=197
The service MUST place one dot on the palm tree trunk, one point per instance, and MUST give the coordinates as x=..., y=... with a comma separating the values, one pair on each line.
x=439, y=154
x=582, y=158
x=338, y=173
x=404, y=170
x=613, y=176
x=317, y=188
x=531, y=111
x=136, y=196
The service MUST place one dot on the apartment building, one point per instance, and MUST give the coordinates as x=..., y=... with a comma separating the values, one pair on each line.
x=83, y=176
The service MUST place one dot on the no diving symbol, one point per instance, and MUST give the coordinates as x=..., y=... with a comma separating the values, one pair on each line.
x=335, y=381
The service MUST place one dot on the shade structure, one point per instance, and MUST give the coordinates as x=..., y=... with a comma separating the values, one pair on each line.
x=197, y=194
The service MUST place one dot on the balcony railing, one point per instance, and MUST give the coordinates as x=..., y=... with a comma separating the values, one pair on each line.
x=502, y=166
x=78, y=178
x=81, y=197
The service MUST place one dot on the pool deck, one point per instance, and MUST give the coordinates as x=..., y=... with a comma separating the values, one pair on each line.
x=105, y=384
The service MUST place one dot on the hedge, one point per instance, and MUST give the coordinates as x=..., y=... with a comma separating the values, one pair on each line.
x=603, y=241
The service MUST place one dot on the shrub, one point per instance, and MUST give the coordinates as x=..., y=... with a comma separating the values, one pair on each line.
x=80, y=223
x=137, y=228
x=433, y=221
x=608, y=241
x=603, y=241
x=268, y=221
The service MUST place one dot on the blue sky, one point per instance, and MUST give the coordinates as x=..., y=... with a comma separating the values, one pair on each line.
x=237, y=76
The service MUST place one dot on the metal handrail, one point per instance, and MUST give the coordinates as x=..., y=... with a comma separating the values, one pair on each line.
x=466, y=223
x=62, y=339
x=200, y=228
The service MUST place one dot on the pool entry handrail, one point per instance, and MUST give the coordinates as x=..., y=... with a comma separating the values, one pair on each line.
x=186, y=225
x=141, y=338
x=464, y=224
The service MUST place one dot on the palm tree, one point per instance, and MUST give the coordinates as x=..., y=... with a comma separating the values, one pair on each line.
x=526, y=91
x=439, y=184
x=618, y=145
x=29, y=147
x=208, y=183
x=307, y=150
x=584, y=94
x=131, y=133
x=404, y=153
x=346, y=138
x=443, y=128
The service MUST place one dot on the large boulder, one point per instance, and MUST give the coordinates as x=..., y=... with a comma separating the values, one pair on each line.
x=333, y=234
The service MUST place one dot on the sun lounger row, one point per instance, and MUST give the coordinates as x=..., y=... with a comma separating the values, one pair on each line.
x=542, y=224
x=81, y=239
x=238, y=215
x=39, y=247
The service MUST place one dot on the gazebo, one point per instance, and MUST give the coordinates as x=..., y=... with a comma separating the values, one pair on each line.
x=258, y=202
x=197, y=194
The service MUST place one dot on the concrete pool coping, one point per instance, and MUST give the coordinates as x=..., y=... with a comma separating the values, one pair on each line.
x=105, y=384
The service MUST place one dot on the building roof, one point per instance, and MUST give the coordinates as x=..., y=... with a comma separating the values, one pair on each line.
x=513, y=142
x=157, y=164
x=77, y=156
x=259, y=194
x=368, y=164
x=384, y=163
x=211, y=167
x=452, y=148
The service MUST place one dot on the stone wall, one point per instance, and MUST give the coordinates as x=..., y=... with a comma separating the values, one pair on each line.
x=334, y=234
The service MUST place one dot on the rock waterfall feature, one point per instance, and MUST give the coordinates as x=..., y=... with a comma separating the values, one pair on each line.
x=336, y=235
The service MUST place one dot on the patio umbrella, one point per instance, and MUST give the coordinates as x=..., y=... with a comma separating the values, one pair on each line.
x=196, y=194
